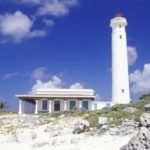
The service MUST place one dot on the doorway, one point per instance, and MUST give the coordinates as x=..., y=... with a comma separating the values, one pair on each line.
x=72, y=105
x=85, y=105
x=56, y=105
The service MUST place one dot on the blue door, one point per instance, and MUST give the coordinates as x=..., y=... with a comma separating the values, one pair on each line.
x=85, y=105
x=72, y=104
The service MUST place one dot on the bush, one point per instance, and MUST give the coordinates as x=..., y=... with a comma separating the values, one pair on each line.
x=93, y=119
x=3, y=105
x=118, y=107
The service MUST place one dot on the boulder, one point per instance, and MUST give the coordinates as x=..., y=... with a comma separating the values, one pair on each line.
x=114, y=131
x=139, y=142
x=145, y=120
x=130, y=123
x=104, y=128
x=126, y=130
x=102, y=121
x=130, y=109
x=81, y=126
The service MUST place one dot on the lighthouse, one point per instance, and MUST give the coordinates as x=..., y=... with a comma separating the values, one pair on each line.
x=120, y=76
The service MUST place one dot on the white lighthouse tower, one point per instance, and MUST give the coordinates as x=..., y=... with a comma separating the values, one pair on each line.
x=120, y=77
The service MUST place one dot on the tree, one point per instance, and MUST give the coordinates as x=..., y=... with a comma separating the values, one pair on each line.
x=3, y=105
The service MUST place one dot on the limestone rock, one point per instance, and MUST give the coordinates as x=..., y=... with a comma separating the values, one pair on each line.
x=102, y=121
x=130, y=123
x=81, y=126
x=145, y=120
x=139, y=142
x=104, y=128
x=114, y=131
x=130, y=109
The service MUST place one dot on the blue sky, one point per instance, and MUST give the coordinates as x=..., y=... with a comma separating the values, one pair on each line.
x=67, y=43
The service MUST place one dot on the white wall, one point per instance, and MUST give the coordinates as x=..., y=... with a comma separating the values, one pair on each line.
x=120, y=77
x=100, y=105
x=62, y=104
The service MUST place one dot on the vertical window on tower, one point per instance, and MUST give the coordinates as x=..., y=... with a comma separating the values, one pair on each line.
x=122, y=90
x=120, y=26
x=120, y=36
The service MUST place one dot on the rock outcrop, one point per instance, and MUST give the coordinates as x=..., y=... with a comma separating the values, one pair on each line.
x=145, y=120
x=141, y=141
x=102, y=121
x=127, y=127
x=81, y=126
x=130, y=109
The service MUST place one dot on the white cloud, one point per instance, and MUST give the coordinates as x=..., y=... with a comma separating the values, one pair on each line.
x=37, y=33
x=54, y=83
x=76, y=86
x=30, y=1
x=10, y=76
x=54, y=8
x=48, y=22
x=17, y=27
x=51, y=7
x=132, y=55
x=140, y=80
x=40, y=73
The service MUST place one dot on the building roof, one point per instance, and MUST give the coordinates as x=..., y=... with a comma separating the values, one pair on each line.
x=60, y=93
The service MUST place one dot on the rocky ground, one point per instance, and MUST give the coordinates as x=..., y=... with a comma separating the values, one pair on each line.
x=43, y=132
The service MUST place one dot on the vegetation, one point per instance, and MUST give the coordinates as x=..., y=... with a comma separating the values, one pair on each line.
x=3, y=105
x=143, y=100
x=115, y=114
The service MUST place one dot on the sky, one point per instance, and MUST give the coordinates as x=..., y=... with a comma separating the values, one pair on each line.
x=67, y=44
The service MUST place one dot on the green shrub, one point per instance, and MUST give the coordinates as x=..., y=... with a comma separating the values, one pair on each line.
x=93, y=120
x=118, y=107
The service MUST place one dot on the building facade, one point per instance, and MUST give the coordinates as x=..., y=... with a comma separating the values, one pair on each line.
x=53, y=100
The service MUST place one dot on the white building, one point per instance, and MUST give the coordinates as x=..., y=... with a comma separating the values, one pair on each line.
x=51, y=100
x=120, y=77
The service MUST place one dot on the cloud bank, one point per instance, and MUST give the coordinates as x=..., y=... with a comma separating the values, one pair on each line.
x=54, y=83
x=51, y=7
x=77, y=85
x=140, y=80
x=18, y=26
x=132, y=55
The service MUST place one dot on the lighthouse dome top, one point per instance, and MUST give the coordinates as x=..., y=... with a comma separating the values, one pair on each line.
x=118, y=14
x=118, y=20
